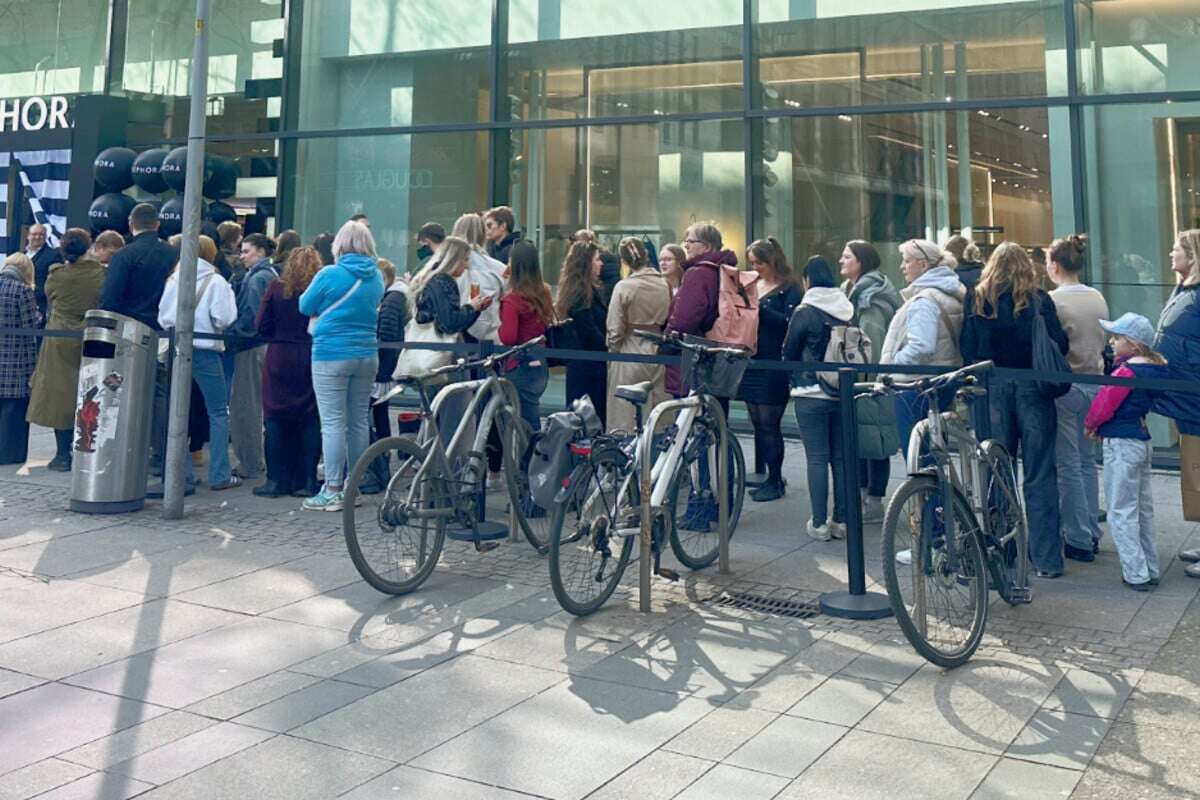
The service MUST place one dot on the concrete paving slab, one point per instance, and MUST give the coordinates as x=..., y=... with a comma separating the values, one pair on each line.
x=980, y=706
x=35, y=779
x=724, y=781
x=136, y=740
x=1093, y=693
x=303, y=706
x=98, y=786
x=550, y=646
x=660, y=774
x=1164, y=700
x=720, y=732
x=90, y=643
x=551, y=740
x=1011, y=779
x=18, y=529
x=92, y=551
x=842, y=700
x=1059, y=739
x=886, y=662
x=52, y=718
x=1059, y=602
x=403, y=782
x=248, y=696
x=787, y=746
x=447, y=699
x=863, y=766
x=175, y=759
x=266, y=589
x=36, y=606
x=1143, y=761
x=282, y=768
x=13, y=682
x=788, y=683
x=185, y=672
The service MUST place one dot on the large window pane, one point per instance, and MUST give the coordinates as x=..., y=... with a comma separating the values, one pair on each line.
x=369, y=63
x=400, y=182
x=891, y=177
x=1138, y=46
x=860, y=52
x=244, y=74
x=580, y=58
x=629, y=180
x=54, y=47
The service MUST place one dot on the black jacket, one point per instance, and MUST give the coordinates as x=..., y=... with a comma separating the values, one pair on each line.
x=393, y=318
x=610, y=273
x=1007, y=340
x=43, y=260
x=136, y=277
x=807, y=339
x=501, y=251
x=591, y=325
x=969, y=273
x=440, y=303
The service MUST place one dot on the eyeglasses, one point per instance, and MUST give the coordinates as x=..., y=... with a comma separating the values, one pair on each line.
x=691, y=241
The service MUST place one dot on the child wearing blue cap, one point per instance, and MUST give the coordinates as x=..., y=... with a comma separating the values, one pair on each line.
x=1118, y=416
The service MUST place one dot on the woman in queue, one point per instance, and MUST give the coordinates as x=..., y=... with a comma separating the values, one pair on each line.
x=639, y=302
x=18, y=356
x=581, y=300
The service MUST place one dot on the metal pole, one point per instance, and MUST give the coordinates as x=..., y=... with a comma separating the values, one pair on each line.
x=856, y=603
x=185, y=309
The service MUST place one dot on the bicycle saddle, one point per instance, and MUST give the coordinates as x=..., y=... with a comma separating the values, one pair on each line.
x=636, y=393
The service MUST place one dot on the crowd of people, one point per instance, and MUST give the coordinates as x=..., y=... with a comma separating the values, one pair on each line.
x=298, y=382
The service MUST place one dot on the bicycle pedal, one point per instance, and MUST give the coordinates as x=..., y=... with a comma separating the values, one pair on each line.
x=1021, y=595
x=669, y=574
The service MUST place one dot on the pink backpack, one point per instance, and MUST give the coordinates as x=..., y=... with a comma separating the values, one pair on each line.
x=737, y=308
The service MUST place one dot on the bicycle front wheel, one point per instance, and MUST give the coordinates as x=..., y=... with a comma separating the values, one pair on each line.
x=692, y=504
x=395, y=538
x=938, y=589
x=533, y=520
x=590, y=535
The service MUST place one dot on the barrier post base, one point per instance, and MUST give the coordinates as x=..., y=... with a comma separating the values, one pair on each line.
x=870, y=605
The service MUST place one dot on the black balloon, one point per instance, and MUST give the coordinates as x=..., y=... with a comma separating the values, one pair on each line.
x=174, y=169
x=219, y=212
x=113, y=168
x=170, y=217
x=222, y=182
x=147, y=171
x=110, y=212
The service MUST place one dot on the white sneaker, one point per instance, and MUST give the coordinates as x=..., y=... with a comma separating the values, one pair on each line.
x=872, y=510
x=904, y=557
x=837, y=529
x=820, y=533
x=495, y=482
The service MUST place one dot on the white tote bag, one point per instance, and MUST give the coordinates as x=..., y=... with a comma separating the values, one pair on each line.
x=417, y=362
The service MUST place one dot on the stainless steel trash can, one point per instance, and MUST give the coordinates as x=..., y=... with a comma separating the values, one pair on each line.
x=113, y=411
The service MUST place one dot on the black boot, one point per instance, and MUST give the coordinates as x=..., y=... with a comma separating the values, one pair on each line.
x=771, y=490
x=271, y=489
x=62, y=458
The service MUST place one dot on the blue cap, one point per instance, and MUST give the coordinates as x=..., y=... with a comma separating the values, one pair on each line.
x=1132, y=326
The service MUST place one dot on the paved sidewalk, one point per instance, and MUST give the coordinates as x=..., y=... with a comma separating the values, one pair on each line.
x=237, y=654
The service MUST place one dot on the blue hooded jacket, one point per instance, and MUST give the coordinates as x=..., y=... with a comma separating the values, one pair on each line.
x=347, y=331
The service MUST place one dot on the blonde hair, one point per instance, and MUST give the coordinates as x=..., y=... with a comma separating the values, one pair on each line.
x=1008, y=269
x=24, y=265
x=207, y=249
x=175, y=240
x=389, y=272
x=354, y=237
x=929, y=252
x=109, y=240
x=1189, y=240
x=469, y=227
x=449, y=254
x=1146, y=352
x=298, y=272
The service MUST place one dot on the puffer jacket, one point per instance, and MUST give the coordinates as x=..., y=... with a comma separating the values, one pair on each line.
x=1178, y=339
x=875, y=302
x=926, y=328
x=808, y=335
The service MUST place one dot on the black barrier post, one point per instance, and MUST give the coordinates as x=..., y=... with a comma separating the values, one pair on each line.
x=983, y=409
x=857, y=603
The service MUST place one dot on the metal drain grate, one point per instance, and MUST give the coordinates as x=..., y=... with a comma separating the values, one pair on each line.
x=767, y=605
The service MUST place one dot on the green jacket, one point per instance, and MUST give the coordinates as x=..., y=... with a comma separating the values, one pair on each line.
x=875, y=301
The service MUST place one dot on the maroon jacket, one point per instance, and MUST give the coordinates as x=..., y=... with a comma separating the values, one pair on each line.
x=694, y=307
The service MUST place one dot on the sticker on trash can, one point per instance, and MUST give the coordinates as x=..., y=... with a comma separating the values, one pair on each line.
x=98, y=408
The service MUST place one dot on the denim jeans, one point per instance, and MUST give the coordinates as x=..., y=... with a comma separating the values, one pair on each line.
x=1131, y=507
x=208, y=372
x=530, y=382
x=873, y=475
x=820, y=424
x=343, y=390
x=1078, y=482
x=1022, y=416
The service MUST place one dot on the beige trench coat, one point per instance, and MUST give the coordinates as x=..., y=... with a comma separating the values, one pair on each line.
x=638, y=302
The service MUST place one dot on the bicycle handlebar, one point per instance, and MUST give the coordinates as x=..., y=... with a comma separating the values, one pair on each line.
x=889, y=385
x=693, y=343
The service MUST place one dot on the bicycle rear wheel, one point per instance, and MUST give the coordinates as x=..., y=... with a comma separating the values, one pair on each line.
x=1007, y=529
x=941, y=605
x=584, y=569
x=393, y=549
x=533, y=520
x=691, y=503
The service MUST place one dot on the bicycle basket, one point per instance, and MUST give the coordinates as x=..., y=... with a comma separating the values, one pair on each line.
x=717, y=374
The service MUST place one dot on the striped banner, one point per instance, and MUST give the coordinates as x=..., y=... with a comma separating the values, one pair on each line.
x=5, y=159
x=45, y=174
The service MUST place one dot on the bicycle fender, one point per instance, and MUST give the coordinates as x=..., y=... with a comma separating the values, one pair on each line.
x=576, y=475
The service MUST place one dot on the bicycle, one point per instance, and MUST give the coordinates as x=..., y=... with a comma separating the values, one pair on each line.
x=598, y=511
x=937, y=566
x=438, y=489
